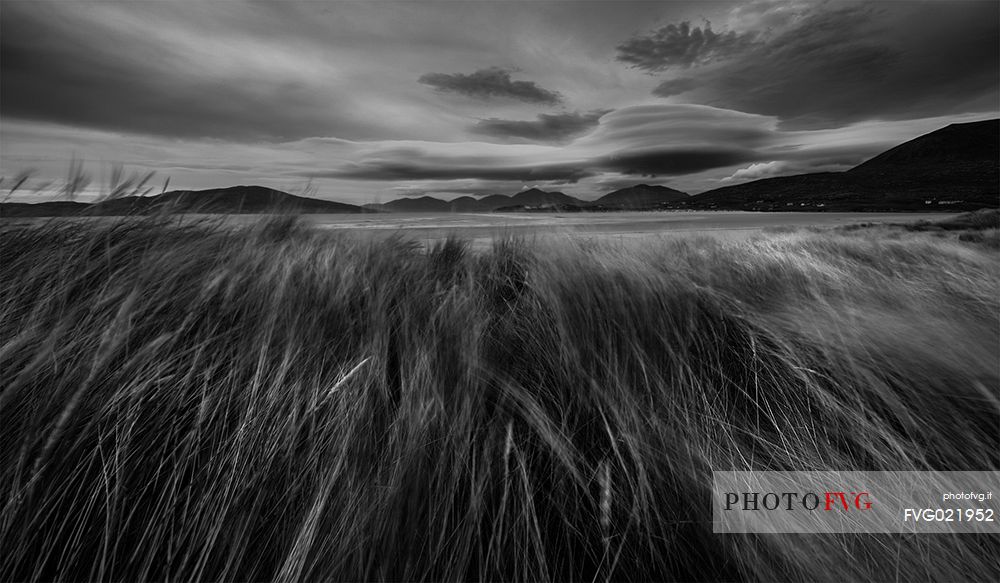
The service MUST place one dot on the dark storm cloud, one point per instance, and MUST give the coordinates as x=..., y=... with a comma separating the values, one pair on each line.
x=57, y=68
x=673, y=162
x=491, y=83
x=681, y=45
x=838, y=64
x=394, y=170
x=556, y=127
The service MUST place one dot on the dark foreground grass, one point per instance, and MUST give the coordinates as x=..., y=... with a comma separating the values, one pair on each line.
x=194, y=402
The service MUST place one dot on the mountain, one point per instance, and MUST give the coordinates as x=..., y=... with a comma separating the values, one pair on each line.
x=641, y=196
x=423, y=204
x=467, y=204
x=955, y=168
x=464, y=204
x=954, y=146
x=429, y=204
x=231, y=200
x=55, y=208
x=495, y=201
x=535, y=197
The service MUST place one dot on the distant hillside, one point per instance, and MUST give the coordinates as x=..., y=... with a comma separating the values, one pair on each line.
x=495, y=201
x=465, y=204
x=641, y=196
x=954, y=168
x=424, y=204
x=232, y=200
x=56, y=208
x=525, y=199
x=954, y=146
x=536, y=197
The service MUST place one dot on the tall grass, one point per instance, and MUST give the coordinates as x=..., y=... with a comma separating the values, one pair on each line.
x=191, y=401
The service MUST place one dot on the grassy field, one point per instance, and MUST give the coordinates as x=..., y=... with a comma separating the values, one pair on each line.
x=192, y=401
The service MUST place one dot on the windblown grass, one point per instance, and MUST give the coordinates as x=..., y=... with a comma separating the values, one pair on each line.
x=194, y=402
x=982, y=227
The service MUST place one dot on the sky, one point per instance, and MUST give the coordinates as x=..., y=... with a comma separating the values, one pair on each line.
x=371, y=101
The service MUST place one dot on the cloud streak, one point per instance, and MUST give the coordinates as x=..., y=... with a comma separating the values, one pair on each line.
x=676, y=86
x=673, y=162
x=383, y=170
x=492, y=83
x=557, y=127
x=69, y=68
x=223, y=70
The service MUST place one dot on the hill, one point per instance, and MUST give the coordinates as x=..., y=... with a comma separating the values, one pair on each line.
x=423, y=204
x=535, y=198
x=231, y=200
x=495, y=201
x=465, y=204
x=531, y=198
x=955, y=168
x=641, y=196
x=55, y=208
x=955, y=146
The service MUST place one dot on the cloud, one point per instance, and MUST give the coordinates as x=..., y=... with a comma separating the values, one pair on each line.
x=494, y=82
x=678, y=126
x=546, y=128
x=832, y=64
x=758, y=170
x=398, y=170
x=675, y=86
x=672, y=162
x=681, y=45
x=70, y=67
x=207, y=70
x=649, y=140
x=410, y=192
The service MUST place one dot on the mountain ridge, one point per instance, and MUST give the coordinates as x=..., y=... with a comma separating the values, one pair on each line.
x=641, y=195
x=956, y=167
x=525, y=199
x=230, y=200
